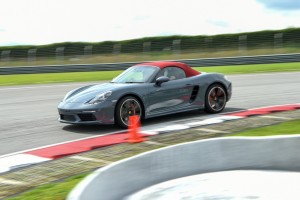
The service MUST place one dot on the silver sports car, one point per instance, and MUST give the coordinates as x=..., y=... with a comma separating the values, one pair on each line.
x=147, y=90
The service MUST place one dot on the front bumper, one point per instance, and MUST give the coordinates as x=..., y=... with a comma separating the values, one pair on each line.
x=79, y=113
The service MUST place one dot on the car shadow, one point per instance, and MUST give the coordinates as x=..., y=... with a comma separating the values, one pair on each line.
x=230, y=109
x=184, y=116
x=91, y=129
x=103, y=129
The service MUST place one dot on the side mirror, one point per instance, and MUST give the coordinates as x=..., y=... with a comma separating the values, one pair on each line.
x=161, y=80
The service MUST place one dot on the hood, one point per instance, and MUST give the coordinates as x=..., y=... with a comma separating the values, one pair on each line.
x=85, y=94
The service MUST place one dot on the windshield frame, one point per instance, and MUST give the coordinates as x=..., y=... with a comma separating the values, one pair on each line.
x=120, y=78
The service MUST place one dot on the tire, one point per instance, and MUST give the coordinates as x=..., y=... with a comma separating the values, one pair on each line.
x=215, y=98
x=127, y=106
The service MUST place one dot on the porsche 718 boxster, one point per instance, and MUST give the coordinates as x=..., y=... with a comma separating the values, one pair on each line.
x=147, y=90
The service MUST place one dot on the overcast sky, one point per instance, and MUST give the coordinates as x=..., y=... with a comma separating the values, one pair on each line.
x=52, y=21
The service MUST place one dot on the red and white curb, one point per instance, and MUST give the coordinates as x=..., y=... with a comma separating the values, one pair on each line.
x=19, y=160
x=42, y=154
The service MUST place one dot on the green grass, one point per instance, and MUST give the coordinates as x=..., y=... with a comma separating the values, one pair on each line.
x=286, y=128
x=52, y=191
x=22, y=79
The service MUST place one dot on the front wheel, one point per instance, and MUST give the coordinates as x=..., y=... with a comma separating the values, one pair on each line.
x=126, y=107
x=215, y=98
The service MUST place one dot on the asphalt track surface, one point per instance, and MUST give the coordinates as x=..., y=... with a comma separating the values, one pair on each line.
x=28, y=114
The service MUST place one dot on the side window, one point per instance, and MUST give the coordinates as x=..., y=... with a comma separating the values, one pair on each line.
x=173, y=73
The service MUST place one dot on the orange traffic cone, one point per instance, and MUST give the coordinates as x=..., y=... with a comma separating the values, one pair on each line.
x=134, y=130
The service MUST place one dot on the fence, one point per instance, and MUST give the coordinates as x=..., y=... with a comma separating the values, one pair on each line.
x=155, y=48
x=121, y=66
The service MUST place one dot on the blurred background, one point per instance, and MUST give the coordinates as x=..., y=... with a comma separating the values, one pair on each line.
x=155, y=48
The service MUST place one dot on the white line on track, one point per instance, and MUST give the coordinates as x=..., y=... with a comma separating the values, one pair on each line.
x=11, y=182
x=155, y=143
x=90, y=159
x=211, y=130
x=274, y=117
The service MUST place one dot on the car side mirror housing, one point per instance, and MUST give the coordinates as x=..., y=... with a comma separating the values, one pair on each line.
x=161, y=80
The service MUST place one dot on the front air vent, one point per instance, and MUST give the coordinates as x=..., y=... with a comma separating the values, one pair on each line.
x=69, y=118
x=194, y=93
x=87, y=117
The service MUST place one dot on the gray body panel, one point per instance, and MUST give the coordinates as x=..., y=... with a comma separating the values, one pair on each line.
x=171, y=97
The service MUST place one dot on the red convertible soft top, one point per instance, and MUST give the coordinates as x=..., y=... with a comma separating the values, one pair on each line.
x=162, y=64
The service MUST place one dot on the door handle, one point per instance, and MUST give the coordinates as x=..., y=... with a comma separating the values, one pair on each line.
x=188, y=84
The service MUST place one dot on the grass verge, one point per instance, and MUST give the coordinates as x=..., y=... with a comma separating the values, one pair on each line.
x=22, y=79
x=286, y=128
x=59, y=190
x=51, y=191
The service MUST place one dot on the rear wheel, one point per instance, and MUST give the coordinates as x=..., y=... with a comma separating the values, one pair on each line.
x=215, y=98
x=126, y=107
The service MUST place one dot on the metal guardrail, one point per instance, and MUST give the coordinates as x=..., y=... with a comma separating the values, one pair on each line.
x=242, y=60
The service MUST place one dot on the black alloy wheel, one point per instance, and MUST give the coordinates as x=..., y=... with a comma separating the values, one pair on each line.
x=215, y=99
x=126, y=107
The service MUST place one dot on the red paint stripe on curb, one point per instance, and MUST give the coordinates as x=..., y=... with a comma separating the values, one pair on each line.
x=66, y=149
x=62, y=150
x=248, y=113
x=263, y=111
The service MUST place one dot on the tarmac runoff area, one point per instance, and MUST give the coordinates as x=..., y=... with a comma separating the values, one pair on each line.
x=25, y=178
x=237, y=184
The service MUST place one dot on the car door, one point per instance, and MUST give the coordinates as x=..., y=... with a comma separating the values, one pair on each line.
x=170, y=96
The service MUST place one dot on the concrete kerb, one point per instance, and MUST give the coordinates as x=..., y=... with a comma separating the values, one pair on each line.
x=120, y=179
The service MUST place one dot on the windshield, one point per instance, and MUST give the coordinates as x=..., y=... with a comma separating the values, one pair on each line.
x=136, y=74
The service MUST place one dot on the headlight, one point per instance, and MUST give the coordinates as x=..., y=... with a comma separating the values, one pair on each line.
x=100, y=98
x=226, y=78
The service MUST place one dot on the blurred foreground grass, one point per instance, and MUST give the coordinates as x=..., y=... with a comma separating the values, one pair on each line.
x=51, y=191
x=60, y=190
x=22, y=79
